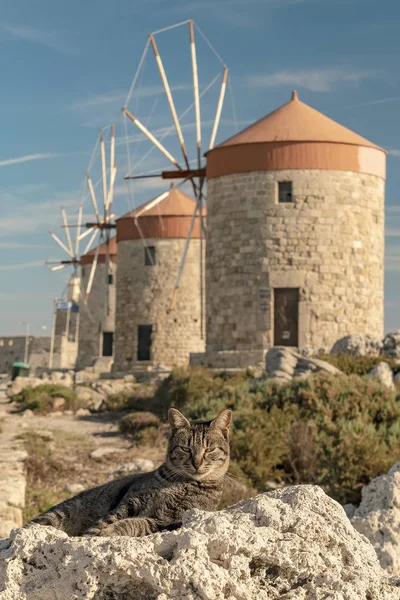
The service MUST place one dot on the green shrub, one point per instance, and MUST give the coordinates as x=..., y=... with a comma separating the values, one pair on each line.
x=357, y=365
x=337, y=431
x=141, y=398
x=144, y=428
x=39, y=398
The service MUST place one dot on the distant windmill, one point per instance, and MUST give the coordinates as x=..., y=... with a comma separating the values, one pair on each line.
x=184, y=171
x=103, y=224
x=99, y=229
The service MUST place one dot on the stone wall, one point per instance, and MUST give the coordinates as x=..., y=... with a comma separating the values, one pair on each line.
x=144, y=295
x=328, y=242
x=12, y=472
x=98, y=315
x=65, y=340
x=12, y=349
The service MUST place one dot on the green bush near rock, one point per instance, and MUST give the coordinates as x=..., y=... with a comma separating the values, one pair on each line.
x=39, y=399
x=143, y=428
x=336, y=431
x=141, y=398
x=357, y=365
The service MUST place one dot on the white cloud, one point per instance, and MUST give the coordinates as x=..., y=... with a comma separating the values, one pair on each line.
x=316, y=80
x=55, y=40
x=391, y=210
x=394, y=152
x=27, y=158
x=392, y=232
x=373, y=102
x=119, y=98
x=20, y=266
x=22, y=245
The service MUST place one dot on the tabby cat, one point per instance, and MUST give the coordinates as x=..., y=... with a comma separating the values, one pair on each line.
x=191, y=477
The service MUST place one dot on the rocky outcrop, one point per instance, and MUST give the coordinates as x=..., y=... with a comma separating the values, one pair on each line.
x=384, y=374
x=285, y=363
x=294, y=543
x=378, y=518
x=357, y=345
x=391, y=344
x=12, y=476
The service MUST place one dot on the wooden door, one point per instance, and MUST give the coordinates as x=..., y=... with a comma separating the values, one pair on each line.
x=108, y=339
x=144, y=342
x=286, y=317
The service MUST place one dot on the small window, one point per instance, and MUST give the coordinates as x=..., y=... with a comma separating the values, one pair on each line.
x=110, y=279
x=150, y=256
x=285, y=191
x=83, y=271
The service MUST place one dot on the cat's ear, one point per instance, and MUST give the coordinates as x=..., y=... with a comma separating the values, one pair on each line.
x=177, y=420
x=222, y=422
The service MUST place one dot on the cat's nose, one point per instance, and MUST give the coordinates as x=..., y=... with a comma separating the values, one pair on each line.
x=197, y=462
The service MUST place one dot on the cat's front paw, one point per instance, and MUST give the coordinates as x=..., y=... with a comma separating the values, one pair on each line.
x=103, y=531
x=93, y=531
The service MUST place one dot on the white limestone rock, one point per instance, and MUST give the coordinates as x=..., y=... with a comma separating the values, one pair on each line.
x=20, y=383
x=378, y=518
x=357, y=345
x=283, y=363
x=137, y=465
x=105, y=451
x=391, y=344
x=89, y=397
x=294, y=543
x=383, y=373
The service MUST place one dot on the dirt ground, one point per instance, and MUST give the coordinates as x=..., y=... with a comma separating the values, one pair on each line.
x=59, y=454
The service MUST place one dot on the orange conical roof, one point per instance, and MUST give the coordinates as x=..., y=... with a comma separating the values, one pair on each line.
x=296, y=122
x=173, y=203
x=88, y=258
x=168, y=215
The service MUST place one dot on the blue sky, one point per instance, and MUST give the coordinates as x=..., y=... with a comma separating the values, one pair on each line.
x=66, y=69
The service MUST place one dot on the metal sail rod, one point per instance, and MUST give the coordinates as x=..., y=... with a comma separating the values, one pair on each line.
x=67, y=232
x=78, y=231
x=201, y=270
x=91, y=240
x=219, y=108
x=170, y=99
x=103, y=167
x=93, y=197
x=196, y=92
x=111, y=190
x=112, y=150
x=151, y=137
x=185, y=251
x=92, y=272
x=60, y=243
x=87, y=232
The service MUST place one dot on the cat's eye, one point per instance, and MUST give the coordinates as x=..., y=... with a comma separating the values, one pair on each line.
x=214, y=450
x=185, y=449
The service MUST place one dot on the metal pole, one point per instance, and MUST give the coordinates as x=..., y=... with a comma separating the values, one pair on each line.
x=68, y=320
x=53, y=334
x=26, y=343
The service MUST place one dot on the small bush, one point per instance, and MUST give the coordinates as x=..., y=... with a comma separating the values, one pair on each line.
x=142, y=398
x=39, y=398
x=337, y=431
x=357, y=365
x=143, y=428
